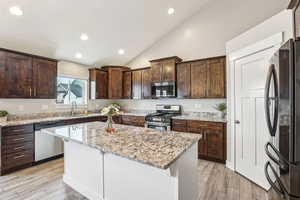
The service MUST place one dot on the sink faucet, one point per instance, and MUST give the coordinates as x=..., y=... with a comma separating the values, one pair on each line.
x=74, y=106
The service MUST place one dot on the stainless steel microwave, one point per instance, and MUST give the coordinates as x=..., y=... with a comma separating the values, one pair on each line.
x=163, y=90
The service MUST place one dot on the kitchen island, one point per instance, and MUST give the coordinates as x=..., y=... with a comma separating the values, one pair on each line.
x=132, y=163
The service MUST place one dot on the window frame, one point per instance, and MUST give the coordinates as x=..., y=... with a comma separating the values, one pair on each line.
x=86, y=99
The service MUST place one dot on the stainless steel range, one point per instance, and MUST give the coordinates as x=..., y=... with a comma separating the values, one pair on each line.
x=162, y=119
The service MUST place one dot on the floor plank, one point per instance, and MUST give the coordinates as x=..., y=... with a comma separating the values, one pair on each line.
x=44, y=181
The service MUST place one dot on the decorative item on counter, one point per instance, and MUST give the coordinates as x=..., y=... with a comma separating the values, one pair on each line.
x=3, y=115
x=110, y=111
x=222, y=108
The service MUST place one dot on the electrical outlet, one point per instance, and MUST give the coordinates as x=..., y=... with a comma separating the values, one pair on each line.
x=198, y=105
x=45, y=107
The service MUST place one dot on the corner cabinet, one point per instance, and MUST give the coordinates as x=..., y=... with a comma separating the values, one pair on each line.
x=127, y=78
x=115, y=82
x=27, y=76
x=164, y=69
x=204, y=78
x=212, y=146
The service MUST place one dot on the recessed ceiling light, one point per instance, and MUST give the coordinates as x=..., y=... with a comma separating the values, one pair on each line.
x=84, y=36
x=171, y=11
x=78, y=55
x=121, y=51
x=15, y=10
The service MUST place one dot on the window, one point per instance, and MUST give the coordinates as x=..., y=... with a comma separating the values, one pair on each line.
x=71, y=90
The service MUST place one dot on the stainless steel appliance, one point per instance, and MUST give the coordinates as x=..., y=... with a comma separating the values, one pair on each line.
x=282, y=107
x=47, y=146
x=162, y=119
x=163, y=90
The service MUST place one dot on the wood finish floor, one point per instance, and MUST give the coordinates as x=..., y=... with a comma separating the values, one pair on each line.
x=44, y=182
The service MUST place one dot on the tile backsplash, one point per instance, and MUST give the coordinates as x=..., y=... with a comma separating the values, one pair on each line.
x=188, y=105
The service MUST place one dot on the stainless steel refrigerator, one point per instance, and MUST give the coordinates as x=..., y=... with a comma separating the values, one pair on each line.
x=282, y=107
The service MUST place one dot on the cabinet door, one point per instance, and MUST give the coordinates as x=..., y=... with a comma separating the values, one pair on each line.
x=127, y=85
x=137, y=84
x=146, y=84
x=156, y=71
x=101, y=85
x=3, y=87
x=184, y=80
x=45, y=75
x=19, y=76
x=115, y=88
x=168, y=71
x=215, y=143
x=199, y=79
x=216, y=78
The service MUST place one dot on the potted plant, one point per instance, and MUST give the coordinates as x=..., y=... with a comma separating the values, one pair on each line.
x=221, y=108
x=110, y=111
x=3, y=115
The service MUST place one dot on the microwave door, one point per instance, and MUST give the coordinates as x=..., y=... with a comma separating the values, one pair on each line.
x=271, y=100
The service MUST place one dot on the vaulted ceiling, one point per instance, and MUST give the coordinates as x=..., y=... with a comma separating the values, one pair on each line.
x=52, y=28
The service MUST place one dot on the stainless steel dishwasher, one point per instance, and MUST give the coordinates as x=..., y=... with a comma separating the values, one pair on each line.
x=47, y=146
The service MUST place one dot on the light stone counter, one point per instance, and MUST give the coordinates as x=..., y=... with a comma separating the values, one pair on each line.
x=148, y=146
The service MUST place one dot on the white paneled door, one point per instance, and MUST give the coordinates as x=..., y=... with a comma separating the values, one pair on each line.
x=251, y=129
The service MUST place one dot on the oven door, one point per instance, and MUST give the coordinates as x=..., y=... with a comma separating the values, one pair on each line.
x=160, y=128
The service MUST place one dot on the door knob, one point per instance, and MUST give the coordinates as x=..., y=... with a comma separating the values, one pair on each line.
x=237, y=122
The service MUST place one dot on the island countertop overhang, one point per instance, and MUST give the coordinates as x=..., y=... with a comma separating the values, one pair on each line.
x=156, y=148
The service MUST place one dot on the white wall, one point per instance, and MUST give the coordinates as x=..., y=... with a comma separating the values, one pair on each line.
x=27, y=106
x=205, y=34
x=282, y=22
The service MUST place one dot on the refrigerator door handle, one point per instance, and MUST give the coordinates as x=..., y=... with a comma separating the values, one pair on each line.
x=281, y=161
x=280, y=189
x=268, y=99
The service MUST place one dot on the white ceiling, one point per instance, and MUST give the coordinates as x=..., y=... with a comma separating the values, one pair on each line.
x=52, y=28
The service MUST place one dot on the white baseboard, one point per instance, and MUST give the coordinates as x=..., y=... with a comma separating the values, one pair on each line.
x=230, y=165
x=81, y=189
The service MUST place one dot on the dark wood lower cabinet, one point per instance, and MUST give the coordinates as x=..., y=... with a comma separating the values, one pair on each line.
x=17, y=148
x=133, y=120
x=212, y=146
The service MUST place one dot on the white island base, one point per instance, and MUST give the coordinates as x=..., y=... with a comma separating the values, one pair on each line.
x=105, y=176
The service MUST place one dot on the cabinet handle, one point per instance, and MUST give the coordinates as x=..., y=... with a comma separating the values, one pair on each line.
x=19, y=130
x=19, y=139
x=17, y=157
x=21, y=147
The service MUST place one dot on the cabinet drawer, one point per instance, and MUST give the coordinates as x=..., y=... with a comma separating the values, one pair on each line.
x=179, y=123
x=17, y=130
x=179, y=129
x=18, y=139
x=133, y=120
x=17, y=159
x=15, y=148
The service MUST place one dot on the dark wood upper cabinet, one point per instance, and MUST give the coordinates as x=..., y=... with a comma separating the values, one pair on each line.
x=184, y=80
x=18, y=76
x=137, y=84
x=127, y=85
x=44, y=78
x=115, y=82
x=164, y=69
x=2, y=75
x=98, y=84
x=199, y=79
x=146, y=83
x=216, y=78
x=156, y=70
x=27, y=76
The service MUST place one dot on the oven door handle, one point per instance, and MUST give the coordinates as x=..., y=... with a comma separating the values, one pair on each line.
x=281, y=162
x=279, y=189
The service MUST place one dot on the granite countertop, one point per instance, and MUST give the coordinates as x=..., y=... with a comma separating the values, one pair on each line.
x=148, y=146
x=201, y=118
x=45, y=119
